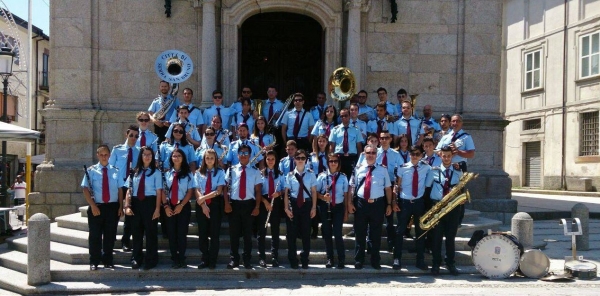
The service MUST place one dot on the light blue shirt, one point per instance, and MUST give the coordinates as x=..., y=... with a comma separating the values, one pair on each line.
x=114, y=182
x=317, y=111
x=464, y=142
x=306, y=123
x=214, y=110
x=217, y=176
x=320, y=128
x=277, y=107
x=432, y=124
x=153, y=182
x=436, y=178
x=237, y=106
x=220, y=135
x=267, y=139
x=238, y=118
x=366, y=109
x=406, y=173
x=415, y=127
x=159, y=101
x=200, y=152
x=337, y=137
x=390, y=126
x=167, y=148
x=379, y=181
x=232, y=154
x=187, y=127
x=361, y=125
x=287, y=165
x=324, y=185
x=118, y=158
x=253, y=178
x=404, y=156
x=277, y=180
x=390, y=108
x=393, y=161
x=195, y=116
x=308, y=178
x=151, y=139
x=313, y=162
x=434, y=160
x=185, y=183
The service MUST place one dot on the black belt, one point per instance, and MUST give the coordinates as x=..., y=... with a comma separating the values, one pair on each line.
x=299, y=138
x=147, y=196
x=305, y=199
x=349, y=154
x=372, y=200
x=410, y=200
x=242, y=201
x=107, y=203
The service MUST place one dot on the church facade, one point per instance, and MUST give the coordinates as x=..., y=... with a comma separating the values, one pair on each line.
x=448, y=52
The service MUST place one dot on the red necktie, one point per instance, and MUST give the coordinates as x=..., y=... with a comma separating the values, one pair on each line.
x=271, y=184
x=447, y=183
x=243, y=183
x=260, y=139
x=271, y=110
x=143, y=139
x=321, y=164
x=333, y=181
x=379, y=127
x=297, y=125
x=367, y=188
x=300, y=199
x=174, y=189
x=129, y=160
x=345, y=145
x=219, y=112
x=408, y=131
x=105, y=188
x=384, y=159
x=328, y=130
x=208, y=187
x=431, y=160
x=415, y=183
x=176, y=146
x=141, y=193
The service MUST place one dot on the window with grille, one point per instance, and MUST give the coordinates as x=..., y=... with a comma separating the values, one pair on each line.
x=590, y=55
x=589, y=134
x=533, y=67
x=532, y=124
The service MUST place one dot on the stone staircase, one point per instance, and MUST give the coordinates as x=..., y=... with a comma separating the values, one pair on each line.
x=70, y=260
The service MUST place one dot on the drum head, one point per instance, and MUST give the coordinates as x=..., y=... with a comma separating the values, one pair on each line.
x=534, y=264
x=496, y=256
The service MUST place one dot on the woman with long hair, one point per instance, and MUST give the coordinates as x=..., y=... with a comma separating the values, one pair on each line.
x=272, y=188
x=259, y=136
x=179, y=141
x=318, y=159
x=210, y=142
x=329, y=119
x=403, y=148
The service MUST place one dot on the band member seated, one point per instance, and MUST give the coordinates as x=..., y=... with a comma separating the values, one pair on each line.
x=167, y=101
x=332, y=188
x=176, y=203
x=297, y=124
x=242, y=203
x=179, y=141
x=142, y=204
x=272, y=201
x=101, y=184
x=410, y=187
x=347, y=142
x=300, y=207
x=372, y=199
x=439, y=182
x=210, y=180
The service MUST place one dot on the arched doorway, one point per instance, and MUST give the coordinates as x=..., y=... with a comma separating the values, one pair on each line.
x=282, y=49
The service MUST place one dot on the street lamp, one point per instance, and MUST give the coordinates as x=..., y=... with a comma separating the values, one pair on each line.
x=6, y=63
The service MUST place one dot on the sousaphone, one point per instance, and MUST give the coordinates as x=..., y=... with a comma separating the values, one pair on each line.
x=342, y=84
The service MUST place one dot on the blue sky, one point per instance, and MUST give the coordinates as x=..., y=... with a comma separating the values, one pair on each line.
x=41, y=12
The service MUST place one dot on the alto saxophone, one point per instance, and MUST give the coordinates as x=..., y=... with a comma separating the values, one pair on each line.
x=447, y=204
x=224, y=153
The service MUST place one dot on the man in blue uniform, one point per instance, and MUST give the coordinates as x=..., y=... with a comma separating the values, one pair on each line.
x=346, y=141
x=296, y=125
x=218, y=109
x=164, y=99
x=317, y=111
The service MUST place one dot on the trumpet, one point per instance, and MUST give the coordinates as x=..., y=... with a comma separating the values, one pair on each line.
x=284, y=109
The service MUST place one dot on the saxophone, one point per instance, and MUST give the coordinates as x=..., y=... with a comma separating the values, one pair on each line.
x=263, y=150
x=447, y=204
x=160, y=114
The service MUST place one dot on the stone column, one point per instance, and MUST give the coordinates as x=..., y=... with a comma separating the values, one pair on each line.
x=38, y=250
x=209, y=52
x=354, y=43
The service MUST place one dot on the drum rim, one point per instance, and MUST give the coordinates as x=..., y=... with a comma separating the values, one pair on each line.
x=515, y=251
x=540, y=273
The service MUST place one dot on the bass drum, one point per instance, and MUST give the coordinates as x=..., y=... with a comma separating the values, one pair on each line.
x=497, y=256
x=534, y=264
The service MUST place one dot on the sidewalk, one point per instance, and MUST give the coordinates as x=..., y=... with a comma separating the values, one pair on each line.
x=547, y=204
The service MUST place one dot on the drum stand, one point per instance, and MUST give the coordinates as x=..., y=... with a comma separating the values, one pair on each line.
x=575, y=265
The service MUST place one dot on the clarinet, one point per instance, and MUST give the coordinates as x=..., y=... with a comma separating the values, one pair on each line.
x=229, y=183
x=87, y=176
x=329, y=185
x=272, y=203
x=162, y=173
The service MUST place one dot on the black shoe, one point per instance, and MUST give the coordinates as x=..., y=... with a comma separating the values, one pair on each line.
x=391, y=247
x=304, y=265
x=262, y=263
x=233, y=265
x=396, y=265
x=452, y=269
x=358, y=265
x=247, y=265
x=212, y=266
x=294, y=265
x=109, y=265
x=341, y=264
x=329, y=263
x=202, y=265
x=422, y=266
x=175, y=265
x=135, y=265
x=435, y=270
x=351, y=233
x=93, y=267
x=376, y=266
x=182, y=264
x=274, y=262
x=126, y=246
x=313, y=235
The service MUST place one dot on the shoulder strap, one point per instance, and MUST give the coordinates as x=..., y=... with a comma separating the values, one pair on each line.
x=362, y=182
x=298, y=178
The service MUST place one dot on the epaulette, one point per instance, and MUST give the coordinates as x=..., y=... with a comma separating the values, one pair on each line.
x=309, y=170
x=118, y=145
x=436, y=168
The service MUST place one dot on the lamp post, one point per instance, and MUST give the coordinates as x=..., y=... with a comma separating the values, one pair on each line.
x=6, y=62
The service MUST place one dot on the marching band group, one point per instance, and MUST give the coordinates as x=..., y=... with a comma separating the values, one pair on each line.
x=369, y=162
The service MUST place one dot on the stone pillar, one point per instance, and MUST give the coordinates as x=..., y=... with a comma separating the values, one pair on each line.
x=38, y=250
x=209, y=52
x=354, y=43
x=522, y=228
x=583, y=213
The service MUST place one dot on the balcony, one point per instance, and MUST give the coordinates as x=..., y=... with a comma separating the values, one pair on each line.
x=43, y=80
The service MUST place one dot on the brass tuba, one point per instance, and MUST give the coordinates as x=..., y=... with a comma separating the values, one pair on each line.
x=172, y=66
x=342, y=85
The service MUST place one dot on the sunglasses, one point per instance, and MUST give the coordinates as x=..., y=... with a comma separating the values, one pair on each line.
x=244, y=153
x=415, y=154
x=333, y=161
x=133, y=136
x=178, y=131
x=175, y=156
x=371, y=153
x=362, y=97
x=344, y=116
x=144, y=120
x=300, y=158
x=209, y=134
x=217, y=97
x=298, y=100
x=246, y=92
x=384, y=138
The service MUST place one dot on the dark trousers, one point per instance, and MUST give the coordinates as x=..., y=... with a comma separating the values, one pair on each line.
x=447, y=227
x=127, y=221
x=103, y=233
x=348, y=163
x=368, y=215
x=302, y=143
x=275, y=221
x=409, y=208
x=143, y=226
x=332, y=227
x=210, y=228
x=299, y=227
x=160, y=132
x=240, y=225
x=177, y=226
x=390, y=229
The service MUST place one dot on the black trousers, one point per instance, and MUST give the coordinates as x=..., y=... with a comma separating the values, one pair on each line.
x=333, y=228
x=177, y=226
x=103, y=233
x=240, y=225
x=368, y=215
x=299, y=227
x=210, y=228
x=348, y=163
x=144, y=227
x=390, y=229
x=127, y=222
x=160, y=131
x=447, y=227
x=275, y=221
x=302, y=143
x=414, y=208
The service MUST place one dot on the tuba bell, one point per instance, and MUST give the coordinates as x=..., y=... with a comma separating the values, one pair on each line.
x=174, y=67
x=342, y=84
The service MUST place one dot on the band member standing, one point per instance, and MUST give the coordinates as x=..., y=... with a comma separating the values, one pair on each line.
x=124, y=157
x=178, y=140
x=325, y=125
x=381, y=123
x=346, y=141
x=191, y=131
x=356, y=122
x=429, y=124
x=389, y=159
x=409, y=125
x=161, y=125
x=143, y=206
x=272, y=107
x=300, y=207
x=259, y=136
x=232, y=154
x=176, y=203
x=147, y=138
x=221, y=135
x=318, y=159
x=218, y=109
x=236, y=107
x=318, y=110
x=244, y=116
x=439, y=182
x=210, y=180
x=444, y=128
x=101, y=185
x=366, y=112
x=382, y=94
x=272, y=188
x=332, y=186
x=242, y=203
x=287, y=164
x=430, y=156
x=296, y=126
x=210, y=143
x=195, y=115
x=410, y=185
